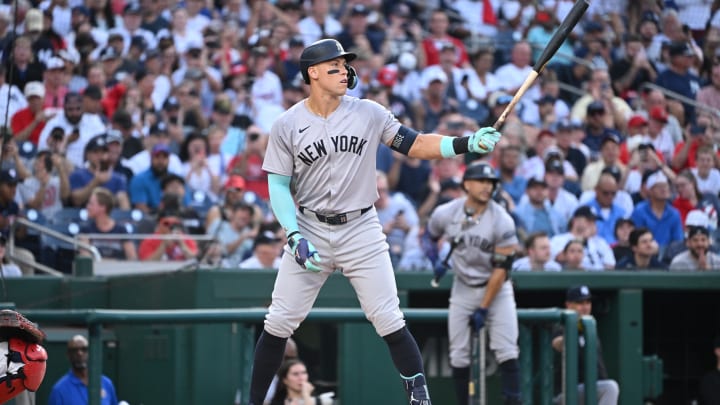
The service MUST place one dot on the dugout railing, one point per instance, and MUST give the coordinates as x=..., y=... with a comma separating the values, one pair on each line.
x=536, y=375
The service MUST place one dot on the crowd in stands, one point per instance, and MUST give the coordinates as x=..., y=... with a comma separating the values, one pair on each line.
x=131, y=117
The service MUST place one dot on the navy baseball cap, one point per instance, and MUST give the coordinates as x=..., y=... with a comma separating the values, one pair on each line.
x=9, y=176
x=578, y=293
x=160, y=148
x=585, y=211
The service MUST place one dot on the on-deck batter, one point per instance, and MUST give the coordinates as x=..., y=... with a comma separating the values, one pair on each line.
x=482, y=294
x=327, y=144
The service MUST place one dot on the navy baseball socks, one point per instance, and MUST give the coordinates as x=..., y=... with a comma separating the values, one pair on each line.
x=269, y=353
x=510, y=381
x=461, y=380
x=406, y=357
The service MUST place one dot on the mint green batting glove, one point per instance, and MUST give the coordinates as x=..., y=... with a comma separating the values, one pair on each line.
x=484, y=140
x=305, y=253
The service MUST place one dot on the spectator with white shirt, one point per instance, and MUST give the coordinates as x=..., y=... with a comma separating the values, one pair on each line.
x=481, y=80
x=11, y=98
x=79, y=128
x=319, y=23
x=266, y=252
x=512, y=75
x=598, y=254
x=537, y=247
x=132, y=27
x=181, y=33
x=706, y=174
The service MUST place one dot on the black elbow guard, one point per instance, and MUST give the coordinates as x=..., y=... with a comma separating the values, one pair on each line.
x=501, y=261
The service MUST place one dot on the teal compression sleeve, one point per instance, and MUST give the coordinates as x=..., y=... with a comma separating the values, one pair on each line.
x=281, y=201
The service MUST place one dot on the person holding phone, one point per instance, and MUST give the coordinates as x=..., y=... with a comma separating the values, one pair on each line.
x=97, y=172
x=180, y=248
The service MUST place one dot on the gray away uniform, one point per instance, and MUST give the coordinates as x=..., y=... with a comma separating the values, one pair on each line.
x=332, y=161
x=471, y=266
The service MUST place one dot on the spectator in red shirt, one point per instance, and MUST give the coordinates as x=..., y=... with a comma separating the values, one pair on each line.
x=28, y=123
x=439, y=23
x=696, y=135
x=181, y=248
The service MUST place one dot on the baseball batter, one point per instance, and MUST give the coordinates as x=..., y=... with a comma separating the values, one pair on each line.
x=327, y=144
x=481, y=295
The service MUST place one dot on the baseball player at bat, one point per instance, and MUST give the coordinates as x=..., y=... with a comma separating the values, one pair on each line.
x=326, y=144
x=481, y=295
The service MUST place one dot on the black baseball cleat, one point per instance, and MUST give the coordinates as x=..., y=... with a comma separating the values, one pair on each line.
x=417, y=391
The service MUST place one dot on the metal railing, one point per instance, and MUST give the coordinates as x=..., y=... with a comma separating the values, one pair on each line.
x=52, y=233
x=95, y=319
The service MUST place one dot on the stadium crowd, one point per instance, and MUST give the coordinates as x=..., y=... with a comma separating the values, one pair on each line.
x=152, y=117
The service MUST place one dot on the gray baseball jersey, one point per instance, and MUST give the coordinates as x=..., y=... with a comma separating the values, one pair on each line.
x=332, y=160
x=333, y=163
x=471, y=258
x=471, y=266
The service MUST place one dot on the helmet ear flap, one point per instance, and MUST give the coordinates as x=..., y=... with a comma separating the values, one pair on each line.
x=351, y=76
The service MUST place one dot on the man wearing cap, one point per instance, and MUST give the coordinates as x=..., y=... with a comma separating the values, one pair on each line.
x=145, y=187
x=27, y=123
x=579, y=299
x=656, y=213
x=698, y=256
x=678, y=77
x=131, y=27
x=536, y=212
x=54, y=81
x=79, y=128
x=637, y=128
x=658, y=135
x=266, y=249
x=697, y=135
x=97, y=172
x=319, y=23
x=356, y=25
x=596, y=131
x=562, y=200
x=457, y=86
x=598, y=254
x=600, y=89
x=565, y=142
x=644, y=252
x=141, y=161
x=609, y=156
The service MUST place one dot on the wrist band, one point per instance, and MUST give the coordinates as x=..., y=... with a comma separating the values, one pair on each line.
x=452, y=146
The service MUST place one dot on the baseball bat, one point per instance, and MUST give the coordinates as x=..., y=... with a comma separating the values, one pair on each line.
x=557, y=39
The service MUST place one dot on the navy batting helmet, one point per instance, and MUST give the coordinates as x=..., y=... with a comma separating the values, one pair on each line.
x=480, y=171
x=324, y=50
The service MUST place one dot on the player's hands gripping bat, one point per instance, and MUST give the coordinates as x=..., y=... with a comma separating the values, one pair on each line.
x=484, y=140
x=305, y=253
x=557, y=39
x=477, y=319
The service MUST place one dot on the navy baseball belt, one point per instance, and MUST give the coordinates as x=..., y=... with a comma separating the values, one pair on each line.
x=336, y=219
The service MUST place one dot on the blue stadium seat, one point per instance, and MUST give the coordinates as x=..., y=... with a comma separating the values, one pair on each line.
x=70, y=214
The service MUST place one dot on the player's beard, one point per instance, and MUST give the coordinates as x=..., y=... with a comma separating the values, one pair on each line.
x=479, y=199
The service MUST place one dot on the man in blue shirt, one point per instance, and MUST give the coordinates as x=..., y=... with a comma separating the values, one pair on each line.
x=146, y=187
x=644, y=252
x=609, y=212
x=678, y=78
x=97, y=172
x=656, y=213
x=71, y=389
